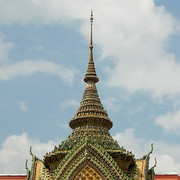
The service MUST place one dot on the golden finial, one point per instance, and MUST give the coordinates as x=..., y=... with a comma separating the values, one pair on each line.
x=91, y=46
x=91, y=19
x=90, y=117
x=91, y=72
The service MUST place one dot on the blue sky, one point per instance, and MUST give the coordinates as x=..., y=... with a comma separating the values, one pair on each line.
x=43, y=59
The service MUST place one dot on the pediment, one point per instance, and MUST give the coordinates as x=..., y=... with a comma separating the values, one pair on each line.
x=93, y=156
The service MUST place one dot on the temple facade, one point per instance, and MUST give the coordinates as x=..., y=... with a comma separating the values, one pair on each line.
x=90, y=152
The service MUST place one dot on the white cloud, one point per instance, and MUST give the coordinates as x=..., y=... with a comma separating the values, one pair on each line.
x=69, y=103
x=128, y=140
x=23, y=105
x=63, y=125
x=28, y=67
x=170, y=122
x=138, y=35
x=159, y=77
x=111, y=103
x=135, y=109
x=37, y=11
x=16, y=148
x=5, y=47
x=167, y=154
x=137, y=32
x=15, y=151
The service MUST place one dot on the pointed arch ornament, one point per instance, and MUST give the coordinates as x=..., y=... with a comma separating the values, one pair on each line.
x=87, y=153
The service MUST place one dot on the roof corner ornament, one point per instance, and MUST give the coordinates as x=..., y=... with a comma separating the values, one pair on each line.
x=146, y=170
x=33, y=156
x=28, y=172
x=151, y=171
x=155, y=163
x=151, y=150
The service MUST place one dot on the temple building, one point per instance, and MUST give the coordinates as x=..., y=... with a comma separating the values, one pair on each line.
x=90, y=152
x=173, y=176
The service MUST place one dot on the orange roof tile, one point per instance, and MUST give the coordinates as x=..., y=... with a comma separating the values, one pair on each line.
x=13, y=177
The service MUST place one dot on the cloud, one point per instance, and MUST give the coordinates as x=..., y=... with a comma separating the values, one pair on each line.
x=111, y=103
x=167, y=155
x=16, y=148
x=164, y=152
x=159, y=78
x=128, y=140
x=137, y=41
x=136, y=109
x=69, y=103
x=15, y=151
x=5, y=48
x=23, y=105
x=10, y=71
x=138, y=32
x=170, y=122
x=38, y=12
x=28, y=67
x=172, y=164
x=63, y=125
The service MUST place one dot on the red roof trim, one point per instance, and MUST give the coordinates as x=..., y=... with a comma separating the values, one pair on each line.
x=164, y=176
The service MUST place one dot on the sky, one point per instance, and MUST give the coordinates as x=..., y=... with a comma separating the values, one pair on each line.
x=44, y=52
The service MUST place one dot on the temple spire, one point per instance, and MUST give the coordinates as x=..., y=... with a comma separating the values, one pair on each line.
x=91, y=112
x=91, y=45
x=91, y=72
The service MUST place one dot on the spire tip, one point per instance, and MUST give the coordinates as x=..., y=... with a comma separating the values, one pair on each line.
x=91, y=18
x=91, y=72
